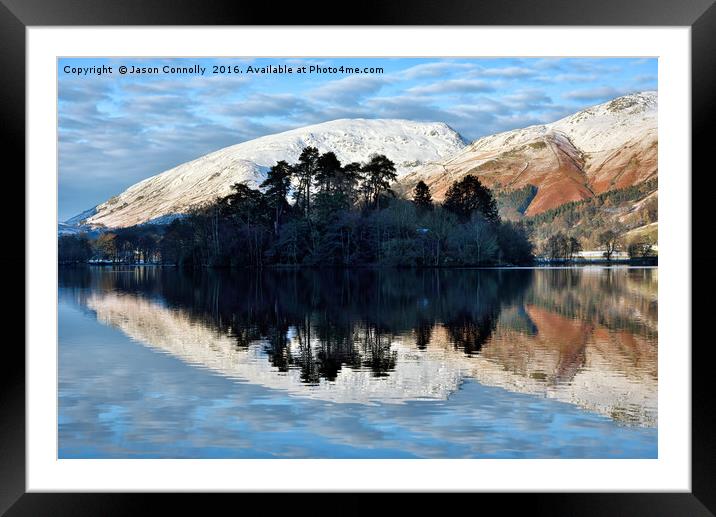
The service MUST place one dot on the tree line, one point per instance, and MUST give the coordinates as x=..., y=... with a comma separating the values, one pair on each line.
x=340, y=215
x=602, y=222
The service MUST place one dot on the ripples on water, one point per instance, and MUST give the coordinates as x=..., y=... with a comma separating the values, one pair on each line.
x=583, y=337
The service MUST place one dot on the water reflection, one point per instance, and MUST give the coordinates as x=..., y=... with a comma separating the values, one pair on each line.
x=583, y=336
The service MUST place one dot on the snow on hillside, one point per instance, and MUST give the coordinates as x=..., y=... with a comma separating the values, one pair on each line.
x=79, y=218
x=599, y=128
x=611, y=124
x=607, y=146
x=408, y=144
x=612, y=145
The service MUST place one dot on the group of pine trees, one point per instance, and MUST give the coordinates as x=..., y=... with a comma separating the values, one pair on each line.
x=319, y=212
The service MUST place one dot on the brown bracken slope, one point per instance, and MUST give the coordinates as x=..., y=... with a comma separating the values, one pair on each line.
x=610, y=146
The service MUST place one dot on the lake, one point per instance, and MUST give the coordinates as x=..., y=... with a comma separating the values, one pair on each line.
x=156, y=362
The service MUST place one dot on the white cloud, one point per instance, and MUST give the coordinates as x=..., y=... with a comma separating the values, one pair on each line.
x=435, y=69
x=508, y=72
x=593, y=94
x=453, y=86
x=354, y=87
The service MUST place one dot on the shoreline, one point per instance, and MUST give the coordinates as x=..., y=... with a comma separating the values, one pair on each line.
x=637, y=263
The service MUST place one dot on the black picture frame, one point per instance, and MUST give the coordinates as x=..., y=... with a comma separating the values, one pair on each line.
x=700, y=15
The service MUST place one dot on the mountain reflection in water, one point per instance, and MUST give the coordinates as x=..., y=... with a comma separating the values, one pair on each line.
x=587, y=337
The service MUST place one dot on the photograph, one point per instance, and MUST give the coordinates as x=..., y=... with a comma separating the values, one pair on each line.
x=358, y=257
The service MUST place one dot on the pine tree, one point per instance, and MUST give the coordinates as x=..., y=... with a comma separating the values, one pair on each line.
x=422, y=198
x=379, y=172
x=306, y=171
x=328, y=172
x=465, y=197
x=351, y=175
x=277, y=185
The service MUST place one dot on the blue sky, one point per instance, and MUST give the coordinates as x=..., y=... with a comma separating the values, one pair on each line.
x=115, y=130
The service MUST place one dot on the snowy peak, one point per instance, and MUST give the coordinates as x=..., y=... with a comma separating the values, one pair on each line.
x=352, y=137
x=409, y=144
x=612, y=123
x=597, y=127
x=628, y=105
x=608, y=146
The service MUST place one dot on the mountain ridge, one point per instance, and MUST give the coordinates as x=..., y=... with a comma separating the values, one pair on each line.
x=604, y=147
x=409, y=144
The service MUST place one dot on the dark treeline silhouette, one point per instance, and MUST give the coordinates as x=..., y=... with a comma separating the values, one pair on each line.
x=341, y=215
x=339, y=317
x=133, y=245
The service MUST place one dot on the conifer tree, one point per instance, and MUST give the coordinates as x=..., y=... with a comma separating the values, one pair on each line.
x=328, y=172
x=305, y=172
x=277, y=186
x=379, y=173
x=422, y=198
x=468, y=195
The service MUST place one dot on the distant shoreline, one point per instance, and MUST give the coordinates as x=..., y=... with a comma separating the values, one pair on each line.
x=538, y=264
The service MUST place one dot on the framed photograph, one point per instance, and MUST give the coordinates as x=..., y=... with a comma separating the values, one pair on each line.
x=416, y=254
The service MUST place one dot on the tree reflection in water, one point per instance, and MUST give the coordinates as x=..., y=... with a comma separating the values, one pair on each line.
x=523, y=329
x=338, y=318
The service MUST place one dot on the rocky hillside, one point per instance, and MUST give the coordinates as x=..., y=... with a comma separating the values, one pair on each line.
x=606, y=147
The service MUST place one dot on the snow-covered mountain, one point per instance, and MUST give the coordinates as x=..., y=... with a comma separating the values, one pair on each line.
x=408, y=144
x=605, y=147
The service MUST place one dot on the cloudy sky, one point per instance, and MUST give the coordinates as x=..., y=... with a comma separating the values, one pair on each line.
x=115, y=130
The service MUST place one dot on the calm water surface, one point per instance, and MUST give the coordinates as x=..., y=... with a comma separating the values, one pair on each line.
x=520, y=363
